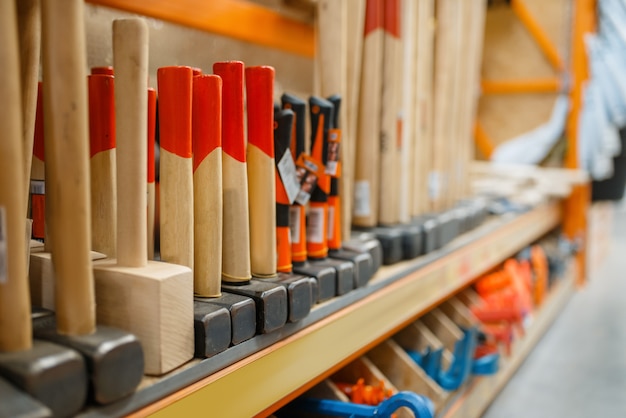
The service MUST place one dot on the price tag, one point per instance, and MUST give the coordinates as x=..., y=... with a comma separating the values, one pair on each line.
x=294, y=223
x=315, y=225
x=288, y=175
x=308, y=172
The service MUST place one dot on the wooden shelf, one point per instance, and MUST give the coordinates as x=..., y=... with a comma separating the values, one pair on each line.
x=275, y=368
x=238, y=19
x=474, y=399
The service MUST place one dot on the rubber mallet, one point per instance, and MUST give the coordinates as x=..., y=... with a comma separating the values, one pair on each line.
x=158, y=296
x=271, y=300
x=331, y=276
x=114, y=358
x=262, y=193
x=321, y=112
x=363, y=262
x=219, y=318
x=54, y=375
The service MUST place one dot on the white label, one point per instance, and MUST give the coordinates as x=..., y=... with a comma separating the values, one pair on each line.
x=331, y=168
x=331, y=222
x=434, y=185
x=3, y=246
x=287, y=172
x=37, y=187
x=315, y=226
x=362, y=198
x=294, y=223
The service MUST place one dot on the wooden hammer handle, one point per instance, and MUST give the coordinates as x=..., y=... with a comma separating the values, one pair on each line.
x=130, y=56
x=15, y=325
x=207, y=184
x=29, y=24
x=236, y=227
x=67, y=155
x=175, y=165
x=261, y=170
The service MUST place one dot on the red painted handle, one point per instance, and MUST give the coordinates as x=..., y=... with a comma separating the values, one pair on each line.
x=101, y=113
x=260, y=102
x=175, y=89
x=392, y=17
x=231, y=73
x=108, y=70
x=207, y=116
x=151, y=133
x=38, y=147
x=374, y=16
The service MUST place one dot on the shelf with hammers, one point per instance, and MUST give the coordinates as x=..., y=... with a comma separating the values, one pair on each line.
x=275, y=368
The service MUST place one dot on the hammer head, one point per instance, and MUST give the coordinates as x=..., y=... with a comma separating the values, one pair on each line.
x=155, y=303
x=55, y=376
x=242, y=312
x=212, y=328
x=324, y=276
x=114, y=360
x=16, y=403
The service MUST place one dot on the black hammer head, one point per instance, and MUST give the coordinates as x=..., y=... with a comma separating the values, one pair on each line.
x=55, y=376
x=114, y=360
x=17, y=404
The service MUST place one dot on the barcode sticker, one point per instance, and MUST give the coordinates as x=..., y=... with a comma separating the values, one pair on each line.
x=331, y=222
x=287, y=171
x=294, y=223
x=315, y=225
x=3, y=247
x=37, y=187
x=362, y=198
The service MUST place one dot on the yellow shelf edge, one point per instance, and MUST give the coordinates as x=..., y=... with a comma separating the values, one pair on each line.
x=272, y=374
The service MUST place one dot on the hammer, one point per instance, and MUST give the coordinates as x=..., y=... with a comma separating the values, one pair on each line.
x=321, y=113
x=271, y=299
x=220, y=318
x=54, y=375
x=333, y=277
x=262, y=192
x=102, y=139
x=162, y=309
x=114, y=358
x=363, y=261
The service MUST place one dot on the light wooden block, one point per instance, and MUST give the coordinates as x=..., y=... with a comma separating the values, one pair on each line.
x=155, y=303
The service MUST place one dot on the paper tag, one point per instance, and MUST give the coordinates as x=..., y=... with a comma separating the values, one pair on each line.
x=3, y=247
x=315, y=225
x=333, y=155
x=287, y=171
x=362, y=198
x=308, y=171
x=330, y=232
x=294, y=223
x=434, y=185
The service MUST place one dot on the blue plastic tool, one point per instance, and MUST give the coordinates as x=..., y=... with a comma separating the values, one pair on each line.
x=421, y=406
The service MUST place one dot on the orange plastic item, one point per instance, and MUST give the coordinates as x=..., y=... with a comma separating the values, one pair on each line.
x=365, y=394
x=540, y=268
